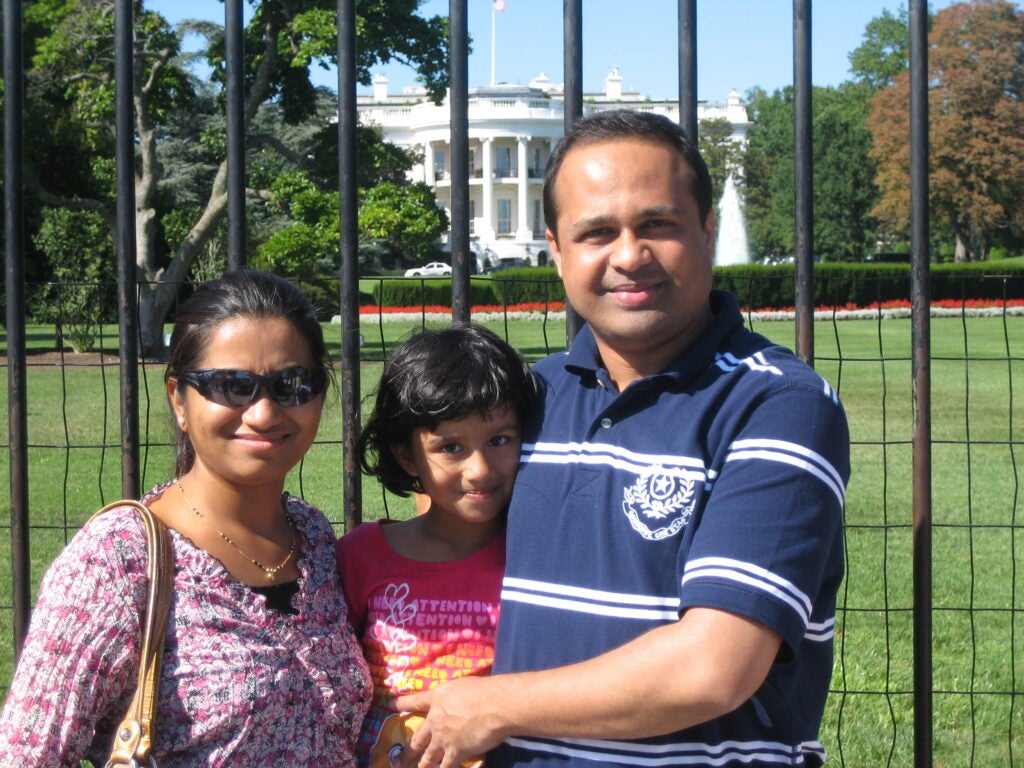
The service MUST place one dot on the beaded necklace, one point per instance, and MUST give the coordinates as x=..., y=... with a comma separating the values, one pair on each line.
x=271, y=573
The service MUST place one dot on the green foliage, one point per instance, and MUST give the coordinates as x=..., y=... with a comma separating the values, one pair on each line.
x=524, y=285
x=81, y=253
x=760, y=286
x=527, y=285
x=288, y=38
x=180, y=131
x=844, y=175
x=721, y=154
x=768, y=173
x=312, y=236
x=427, y=292
x=884, y=53
x=406, y=217
x=843, y=182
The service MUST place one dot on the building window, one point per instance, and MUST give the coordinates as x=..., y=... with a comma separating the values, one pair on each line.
x=538, y=166
x=538, y=219
x=440, y=163
x=472, y=217
x=503, y=161
x=504, y=216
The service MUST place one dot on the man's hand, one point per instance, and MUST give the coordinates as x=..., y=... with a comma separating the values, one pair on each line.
x=457, y=727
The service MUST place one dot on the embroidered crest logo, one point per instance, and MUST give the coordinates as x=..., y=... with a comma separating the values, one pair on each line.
x=658, y=504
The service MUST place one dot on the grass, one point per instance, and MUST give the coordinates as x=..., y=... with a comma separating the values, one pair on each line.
x=977, y=370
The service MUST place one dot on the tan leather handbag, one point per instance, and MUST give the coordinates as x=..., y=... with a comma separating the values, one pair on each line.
x=133, y=740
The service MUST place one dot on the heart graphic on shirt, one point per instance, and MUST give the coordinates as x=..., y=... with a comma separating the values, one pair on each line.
x=397, y=613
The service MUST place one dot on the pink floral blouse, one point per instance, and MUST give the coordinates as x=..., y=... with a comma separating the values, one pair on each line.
x=242, y=685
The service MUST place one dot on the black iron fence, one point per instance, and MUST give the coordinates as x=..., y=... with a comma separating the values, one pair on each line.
x=930, y=660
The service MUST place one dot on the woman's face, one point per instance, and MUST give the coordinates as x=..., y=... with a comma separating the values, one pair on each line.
x=259, y=442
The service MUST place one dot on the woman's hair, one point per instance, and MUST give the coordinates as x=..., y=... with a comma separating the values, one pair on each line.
x=435, y=376
x=242, y=293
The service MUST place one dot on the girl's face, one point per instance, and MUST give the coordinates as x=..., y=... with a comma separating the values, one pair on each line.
x=256, y=443
x=467, y=466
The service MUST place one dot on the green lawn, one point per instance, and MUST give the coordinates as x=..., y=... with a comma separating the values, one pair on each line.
x=977, y=372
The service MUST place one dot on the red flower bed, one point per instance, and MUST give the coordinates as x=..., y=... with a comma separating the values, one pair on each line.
x=554, y=306
x=558, y=306
x=904, y=304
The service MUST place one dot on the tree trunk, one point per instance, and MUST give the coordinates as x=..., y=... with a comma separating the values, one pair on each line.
x=158, y=291
x=159, y=288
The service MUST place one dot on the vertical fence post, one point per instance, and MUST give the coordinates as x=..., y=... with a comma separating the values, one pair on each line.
x=128, y=316
x=458, y=102
x=921, y=373
x=572, y=106
x=350, y=385
x=14, y=275
x=804, y=170
x=235, y=107
x=688, y=68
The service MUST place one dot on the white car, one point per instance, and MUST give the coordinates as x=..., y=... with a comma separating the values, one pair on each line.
x=433, y=268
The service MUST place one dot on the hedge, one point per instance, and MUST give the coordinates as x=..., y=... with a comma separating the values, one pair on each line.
x=758, y=286
x=510, y=286
x=839, y=284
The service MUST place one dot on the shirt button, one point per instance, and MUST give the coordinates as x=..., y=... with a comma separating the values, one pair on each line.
x=606, y=423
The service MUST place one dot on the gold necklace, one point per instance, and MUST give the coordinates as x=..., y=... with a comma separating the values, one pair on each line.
x=271, y=573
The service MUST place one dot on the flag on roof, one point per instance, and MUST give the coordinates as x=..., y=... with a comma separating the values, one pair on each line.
x=498, y=5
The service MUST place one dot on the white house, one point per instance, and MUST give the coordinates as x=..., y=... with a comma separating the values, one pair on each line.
x=512, y=129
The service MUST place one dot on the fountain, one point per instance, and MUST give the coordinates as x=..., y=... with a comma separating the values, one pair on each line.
x=731, y=247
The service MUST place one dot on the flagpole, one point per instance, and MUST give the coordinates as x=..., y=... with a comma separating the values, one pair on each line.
x=494, y=59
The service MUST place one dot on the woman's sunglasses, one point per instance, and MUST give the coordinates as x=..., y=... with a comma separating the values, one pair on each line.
x=237, y=389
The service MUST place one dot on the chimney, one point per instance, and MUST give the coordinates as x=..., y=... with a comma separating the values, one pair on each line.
x=613, y=85
x=380, y=88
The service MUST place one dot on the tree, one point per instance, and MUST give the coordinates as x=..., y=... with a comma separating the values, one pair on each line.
x=884, y=52
x=844, y=193
x=406, y=218
x=976, y=63
x=282, y=41
x=768, y=173
x=844, y=175
x=723, y=156
x=78, y=244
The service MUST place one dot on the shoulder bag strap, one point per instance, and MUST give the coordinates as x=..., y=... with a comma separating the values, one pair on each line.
x=133, y=740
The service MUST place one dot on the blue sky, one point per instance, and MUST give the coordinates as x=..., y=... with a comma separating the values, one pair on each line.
x=741, y=43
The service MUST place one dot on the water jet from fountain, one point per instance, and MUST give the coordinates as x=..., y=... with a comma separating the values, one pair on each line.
x=731, y=247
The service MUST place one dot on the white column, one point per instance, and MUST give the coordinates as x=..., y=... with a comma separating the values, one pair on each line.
x=488, y=213
x=428, y=155
x=523, y=231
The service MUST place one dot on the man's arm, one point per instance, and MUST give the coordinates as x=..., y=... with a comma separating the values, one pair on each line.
x=703, y=666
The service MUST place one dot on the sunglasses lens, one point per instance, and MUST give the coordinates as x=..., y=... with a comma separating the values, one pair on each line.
x=308, y=385
x=235, y=388
x=284, y=386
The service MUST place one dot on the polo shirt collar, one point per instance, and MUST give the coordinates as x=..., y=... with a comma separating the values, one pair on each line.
x=585, y=361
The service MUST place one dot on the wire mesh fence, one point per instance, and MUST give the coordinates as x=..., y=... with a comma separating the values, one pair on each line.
x=977, y=608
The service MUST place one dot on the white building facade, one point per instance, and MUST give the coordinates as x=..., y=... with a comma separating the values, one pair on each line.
x=512, y=130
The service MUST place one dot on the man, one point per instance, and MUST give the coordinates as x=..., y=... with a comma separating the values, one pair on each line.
x=674, y=540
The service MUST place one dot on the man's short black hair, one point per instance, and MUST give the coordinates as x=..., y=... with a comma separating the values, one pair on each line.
x=619, y=124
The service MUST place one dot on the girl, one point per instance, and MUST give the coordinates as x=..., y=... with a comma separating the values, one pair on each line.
x=423, y=593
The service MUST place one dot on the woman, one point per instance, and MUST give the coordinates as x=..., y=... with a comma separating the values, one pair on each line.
x=260, y=664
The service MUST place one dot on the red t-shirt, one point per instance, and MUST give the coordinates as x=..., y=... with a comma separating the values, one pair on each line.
x=420, y=623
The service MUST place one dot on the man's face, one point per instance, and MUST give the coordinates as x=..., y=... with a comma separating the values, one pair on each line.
x=631, y=250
